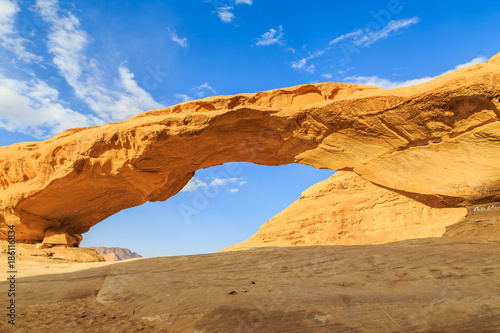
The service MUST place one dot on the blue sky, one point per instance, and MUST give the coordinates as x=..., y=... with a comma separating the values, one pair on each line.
x=69, y=64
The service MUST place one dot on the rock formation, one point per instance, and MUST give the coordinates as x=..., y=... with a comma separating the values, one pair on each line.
x=345, y=209
x=433, y=142
x=57, y=253
x=115, y=253
x=481, y=221
x=57, y=237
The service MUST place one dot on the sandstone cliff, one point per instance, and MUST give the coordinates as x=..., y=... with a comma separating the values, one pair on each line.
x=433, y=142
x=114, y=253
x=482, y=221
x=345, y=209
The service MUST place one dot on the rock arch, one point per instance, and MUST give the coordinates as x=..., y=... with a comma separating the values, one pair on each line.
x=435, y=142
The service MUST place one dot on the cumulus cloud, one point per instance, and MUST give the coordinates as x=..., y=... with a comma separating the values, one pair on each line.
x=223, y=181
x=194, y=184
x=302, y=63
x=225, y=14
x=225, y=8
x=273, y=36
x=327, y=75
x=33, y=107
x=388, y=84
x=365, y=37
x=182, y=42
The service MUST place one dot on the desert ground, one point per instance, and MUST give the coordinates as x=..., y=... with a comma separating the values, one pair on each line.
x=425, y=285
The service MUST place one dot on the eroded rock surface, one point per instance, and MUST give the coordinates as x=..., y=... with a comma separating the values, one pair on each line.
x=55, y=236
x=346, y=209
x=481, y=221
x=424, y=285
x=434, y=142
x=56, y=253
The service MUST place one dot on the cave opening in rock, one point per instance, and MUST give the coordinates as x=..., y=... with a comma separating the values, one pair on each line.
x=219, y=207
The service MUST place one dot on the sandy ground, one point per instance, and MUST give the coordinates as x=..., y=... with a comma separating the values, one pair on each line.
x=426, y=285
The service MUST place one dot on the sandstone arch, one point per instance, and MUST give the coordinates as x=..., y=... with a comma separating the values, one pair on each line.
x=435, y=142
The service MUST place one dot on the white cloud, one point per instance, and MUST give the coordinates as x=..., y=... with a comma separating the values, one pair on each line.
x=221, y=181
x=271, y=37
x=9, y=38
x=183, y=97
x=33, y=107
x=183, y=42
x=302, y=63
x=359, y=37
x=346, y=36
x=365, y=37
x=201, y=90
x=134, y=99
x=67, y=43
x=218, y=182
x=225, y=8
x=193, y=184
x=225, y=14
x=387, y=84
x=475, y=61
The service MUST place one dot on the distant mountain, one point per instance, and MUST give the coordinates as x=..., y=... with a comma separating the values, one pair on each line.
x=115, y=253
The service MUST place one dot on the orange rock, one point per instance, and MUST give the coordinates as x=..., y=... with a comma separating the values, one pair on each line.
x=55, y=236
x=434, y=142
x=41, y=246
x=345, y=209
x=482, y=221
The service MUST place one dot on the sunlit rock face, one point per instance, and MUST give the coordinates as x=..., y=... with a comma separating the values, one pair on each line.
x=435, y=143
x=346, y=209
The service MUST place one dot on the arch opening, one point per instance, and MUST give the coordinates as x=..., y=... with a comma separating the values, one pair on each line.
x=219, y=207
